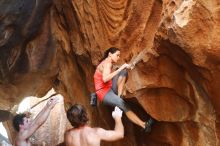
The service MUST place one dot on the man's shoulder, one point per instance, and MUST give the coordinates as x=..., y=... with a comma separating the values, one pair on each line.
x=69, y=131
x=86, y=129
x=92, y=129
x=97, y=130
x=21, y=135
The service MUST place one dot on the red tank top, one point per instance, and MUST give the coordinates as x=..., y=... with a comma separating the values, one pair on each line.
x=101, y=87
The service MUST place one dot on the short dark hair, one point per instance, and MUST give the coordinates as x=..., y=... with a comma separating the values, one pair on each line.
x=18, y=120
x=110, y=50
x=77, y=115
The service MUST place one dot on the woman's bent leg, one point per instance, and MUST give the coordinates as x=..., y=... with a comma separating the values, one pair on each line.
x=121, y=84
x=113, y=100
x=118, y=82
x=135, y=119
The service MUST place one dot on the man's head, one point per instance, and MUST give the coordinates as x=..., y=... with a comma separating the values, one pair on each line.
x=77, y=115
x=21, y=121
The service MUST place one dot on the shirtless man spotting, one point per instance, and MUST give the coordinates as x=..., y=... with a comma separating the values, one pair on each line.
x=83, y=135
x=25, y=127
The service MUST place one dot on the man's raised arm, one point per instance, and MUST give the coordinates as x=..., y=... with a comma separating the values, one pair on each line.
x=40, y=118
x=118, y=132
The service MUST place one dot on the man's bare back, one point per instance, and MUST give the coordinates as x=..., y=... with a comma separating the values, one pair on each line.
x=84, y=136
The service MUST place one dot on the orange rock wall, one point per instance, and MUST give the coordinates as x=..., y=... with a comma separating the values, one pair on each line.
x=46, y=44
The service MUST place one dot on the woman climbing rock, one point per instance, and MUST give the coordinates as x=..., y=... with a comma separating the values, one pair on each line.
x=109, y=86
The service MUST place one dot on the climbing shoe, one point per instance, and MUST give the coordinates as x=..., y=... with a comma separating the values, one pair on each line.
x=148, y=125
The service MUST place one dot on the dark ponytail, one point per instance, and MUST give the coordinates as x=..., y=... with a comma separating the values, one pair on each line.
x=110, y=50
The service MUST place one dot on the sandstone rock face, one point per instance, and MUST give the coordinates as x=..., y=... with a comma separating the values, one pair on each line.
x=45, y=44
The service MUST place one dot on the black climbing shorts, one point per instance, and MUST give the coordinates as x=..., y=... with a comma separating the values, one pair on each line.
x=112, y=99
